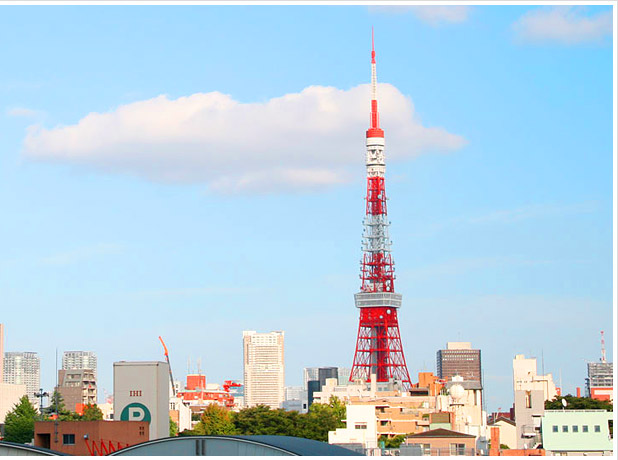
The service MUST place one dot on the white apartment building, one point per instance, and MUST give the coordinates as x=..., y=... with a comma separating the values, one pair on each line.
x=264, y=369
x=80, y=360
x=23, y=368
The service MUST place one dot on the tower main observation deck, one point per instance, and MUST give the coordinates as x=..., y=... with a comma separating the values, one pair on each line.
x=378, y=345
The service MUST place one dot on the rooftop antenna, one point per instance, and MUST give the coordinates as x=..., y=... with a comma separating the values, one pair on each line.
x=603, y=357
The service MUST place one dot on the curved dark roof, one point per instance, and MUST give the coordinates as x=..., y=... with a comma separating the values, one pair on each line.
x=285, y=444
x=441, y=433
x=28, y=448
x=300, y=446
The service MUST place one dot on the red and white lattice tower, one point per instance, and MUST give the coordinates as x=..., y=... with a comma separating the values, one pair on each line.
x=378, y=346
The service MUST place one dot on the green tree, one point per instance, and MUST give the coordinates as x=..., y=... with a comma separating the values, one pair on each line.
x=573, y=402
x=173, y=428
x=323, y=418
x=215, y=420
x=394, y=442
x=56, y=404
x=19, y=423
x=92, y=412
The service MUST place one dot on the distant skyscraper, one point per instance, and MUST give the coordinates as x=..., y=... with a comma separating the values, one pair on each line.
x=309, y=373
x=600, y=381
x=23, y=368
x=459, y=359
x=343, y=375
x=263, y=368
x=80, y=360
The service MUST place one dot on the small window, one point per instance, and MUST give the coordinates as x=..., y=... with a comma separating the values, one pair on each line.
x=554, y=429
x=575, y=429
x=565, y=429
x=585, y=428
x=458, y=449
x=383, y=422
x=360, y=426
x=68, y=439
x=597, y=428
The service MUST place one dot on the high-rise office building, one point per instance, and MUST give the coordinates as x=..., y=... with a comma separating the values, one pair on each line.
x=264, y=368
x=80, y=360
x=459, y=359
x=600, y=381
x=309, y=373
x=23, y=368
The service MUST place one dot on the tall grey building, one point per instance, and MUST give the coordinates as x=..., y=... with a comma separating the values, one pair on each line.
x=23, y=368
x=80, y=360
x=309, y=373
x=599, y=375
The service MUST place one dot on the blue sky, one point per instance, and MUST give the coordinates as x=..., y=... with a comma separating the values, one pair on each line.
x=194, y=172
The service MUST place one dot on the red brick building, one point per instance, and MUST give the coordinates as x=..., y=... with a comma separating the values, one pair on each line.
x=99, y=437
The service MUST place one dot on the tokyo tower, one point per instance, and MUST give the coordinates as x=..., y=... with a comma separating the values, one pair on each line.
x=378, y=345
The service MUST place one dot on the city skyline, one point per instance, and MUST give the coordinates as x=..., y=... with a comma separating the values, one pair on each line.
x=499, y=155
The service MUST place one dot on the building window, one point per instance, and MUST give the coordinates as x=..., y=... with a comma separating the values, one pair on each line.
x=528, y=400
x=565, y=429
x=585, y=428
x=383, y=422
x=360, y=426
x=426, y=448
x=575, y=429
x=554, y=429
x=597, y=428
x=68, y=439
x=458, y=449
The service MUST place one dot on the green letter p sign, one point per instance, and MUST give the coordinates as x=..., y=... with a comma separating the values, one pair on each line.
x=136, y=412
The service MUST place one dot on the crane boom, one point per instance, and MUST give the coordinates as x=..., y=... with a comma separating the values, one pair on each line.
x=167, y=358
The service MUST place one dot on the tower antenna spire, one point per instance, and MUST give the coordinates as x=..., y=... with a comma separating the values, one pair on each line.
x=603, y=356
x=379, y=350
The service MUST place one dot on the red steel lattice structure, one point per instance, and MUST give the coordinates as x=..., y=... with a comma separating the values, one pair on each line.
x=378, y=345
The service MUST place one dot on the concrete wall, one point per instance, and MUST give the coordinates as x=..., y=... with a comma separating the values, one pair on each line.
x=9, y=396
x=141, y=392
x=88, y=437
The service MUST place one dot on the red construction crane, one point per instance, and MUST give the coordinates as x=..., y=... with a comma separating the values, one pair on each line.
x=229, y=384
x=167, y=358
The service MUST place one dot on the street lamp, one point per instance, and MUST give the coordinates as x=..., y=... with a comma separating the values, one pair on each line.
x=41, y=394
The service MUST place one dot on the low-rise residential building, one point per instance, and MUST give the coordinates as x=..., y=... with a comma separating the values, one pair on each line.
x=360, y=429
x=439, y=442
x=577, y=432
x=508, y=432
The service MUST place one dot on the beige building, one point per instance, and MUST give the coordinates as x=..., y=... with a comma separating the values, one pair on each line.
x=507, y=433
x=525, y=378
x=77, y=386
x=264, y=380
x=10, y=394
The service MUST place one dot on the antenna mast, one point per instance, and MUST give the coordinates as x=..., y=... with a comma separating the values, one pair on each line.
x=603, y=356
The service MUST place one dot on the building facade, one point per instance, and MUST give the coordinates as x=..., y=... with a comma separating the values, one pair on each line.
x=531, y=390
x=142, y=393
x=600, y=381
x=264, y=369
x=90, y=438
x=577, y=432
x=77, y=387
x=459, y=359
x=80, y=360
x=23, y=368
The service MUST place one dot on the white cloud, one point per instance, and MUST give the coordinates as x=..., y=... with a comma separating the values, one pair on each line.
x=23, y=112
x=431, y=14
x=305, y=140
x=563, y=24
